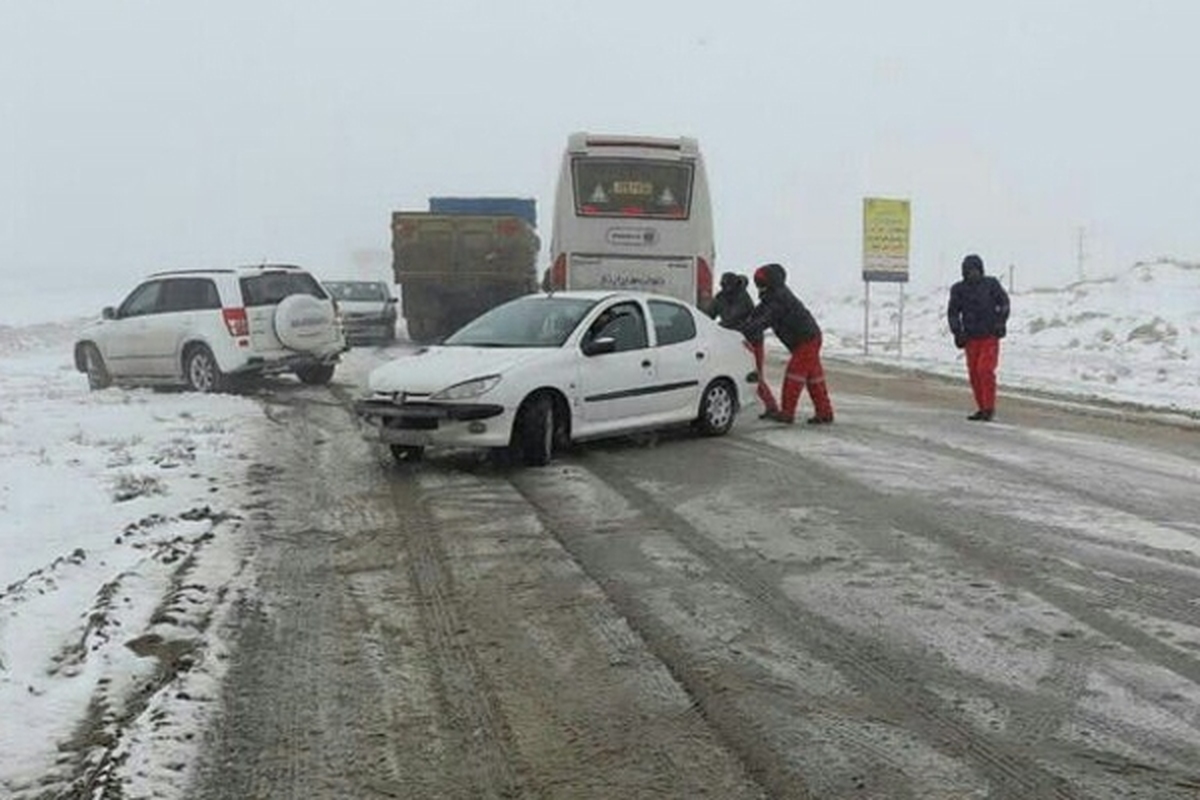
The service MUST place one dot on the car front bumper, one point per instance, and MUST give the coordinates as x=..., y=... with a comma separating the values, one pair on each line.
x=428, y=424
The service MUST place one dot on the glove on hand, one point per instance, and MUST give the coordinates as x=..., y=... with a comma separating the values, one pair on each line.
x=960, y=340
x=1001, y=331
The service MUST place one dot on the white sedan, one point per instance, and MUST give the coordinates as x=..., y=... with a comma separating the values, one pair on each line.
x=544, y=370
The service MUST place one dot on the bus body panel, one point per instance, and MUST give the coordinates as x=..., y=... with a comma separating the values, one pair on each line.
x=640, y=218
x=670, y=275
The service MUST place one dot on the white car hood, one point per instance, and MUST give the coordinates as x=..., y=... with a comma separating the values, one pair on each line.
x=435, y=368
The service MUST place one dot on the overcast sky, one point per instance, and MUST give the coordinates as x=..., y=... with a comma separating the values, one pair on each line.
x=148, y=134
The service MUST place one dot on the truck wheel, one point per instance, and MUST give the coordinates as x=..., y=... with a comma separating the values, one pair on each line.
x=416, y=329
x=533, y=432
x=97, y=372
x=200, y=370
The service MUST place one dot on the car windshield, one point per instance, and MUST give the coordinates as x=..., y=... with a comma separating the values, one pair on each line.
x=530, y=321
x=352, y=291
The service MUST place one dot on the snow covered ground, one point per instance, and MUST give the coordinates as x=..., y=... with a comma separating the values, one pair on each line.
x=121, y=511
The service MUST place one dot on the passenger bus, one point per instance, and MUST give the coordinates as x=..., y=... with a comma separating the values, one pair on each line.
x=633, y=212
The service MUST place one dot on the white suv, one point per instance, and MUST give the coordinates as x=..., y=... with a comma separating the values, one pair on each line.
x=204, y=328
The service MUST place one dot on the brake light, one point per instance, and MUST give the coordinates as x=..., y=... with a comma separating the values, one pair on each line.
x=704, y=283
x=558, y=272
x=236, y=321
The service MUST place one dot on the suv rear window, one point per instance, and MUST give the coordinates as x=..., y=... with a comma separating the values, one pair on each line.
x=270, y=288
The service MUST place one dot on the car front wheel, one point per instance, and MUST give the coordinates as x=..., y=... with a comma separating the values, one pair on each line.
x=718, y=407
x=200, y=370
x=533, y=432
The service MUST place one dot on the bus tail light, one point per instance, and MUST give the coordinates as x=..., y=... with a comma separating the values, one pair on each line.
x=236, y=321
x=558, y=272
x=704, y=283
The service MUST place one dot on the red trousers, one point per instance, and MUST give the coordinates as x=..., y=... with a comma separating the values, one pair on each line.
x=804, y=371
x=764, y=391
x=983, y=355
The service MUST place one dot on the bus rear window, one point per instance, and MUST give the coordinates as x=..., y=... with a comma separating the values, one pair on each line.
x=614, y=187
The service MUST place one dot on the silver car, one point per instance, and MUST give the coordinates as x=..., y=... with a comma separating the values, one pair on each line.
x=368, y=310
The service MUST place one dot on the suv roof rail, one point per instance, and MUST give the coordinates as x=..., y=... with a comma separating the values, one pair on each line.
x=185, y=271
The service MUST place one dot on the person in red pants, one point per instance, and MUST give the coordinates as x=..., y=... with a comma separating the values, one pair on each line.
x=794, y=325
x=978, y=317
x=731, y=307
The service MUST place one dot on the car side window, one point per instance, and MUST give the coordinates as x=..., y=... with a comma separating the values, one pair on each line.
x=189, y=294
x=672, y=323
x=142, y=300
x=624, y=323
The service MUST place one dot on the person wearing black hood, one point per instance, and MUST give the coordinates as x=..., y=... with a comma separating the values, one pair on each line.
x=731, y=307
x=794, y=325
x=978, y=316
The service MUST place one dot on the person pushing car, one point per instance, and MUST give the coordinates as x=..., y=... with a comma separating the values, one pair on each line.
x=731, y=307
x=794, y=325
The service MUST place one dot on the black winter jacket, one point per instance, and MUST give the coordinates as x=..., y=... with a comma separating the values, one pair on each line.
x=733, y=304
x=782, y=312
x=978, y=308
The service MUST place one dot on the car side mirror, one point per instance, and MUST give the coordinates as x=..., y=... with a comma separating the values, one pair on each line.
x=392, y=301
x=596, y=347
x=108, y=312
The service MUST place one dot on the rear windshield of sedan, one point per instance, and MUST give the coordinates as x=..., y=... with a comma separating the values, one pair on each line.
x=533, y=321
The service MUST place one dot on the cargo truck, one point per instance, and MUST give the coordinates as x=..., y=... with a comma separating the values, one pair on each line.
x=453, y=266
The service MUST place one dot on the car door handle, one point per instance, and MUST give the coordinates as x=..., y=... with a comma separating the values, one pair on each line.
x=646, y=363
x=699, y=356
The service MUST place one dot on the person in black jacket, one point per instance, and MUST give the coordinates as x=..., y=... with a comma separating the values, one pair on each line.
x=978, y=316
x=731, y=307
x=782, y=312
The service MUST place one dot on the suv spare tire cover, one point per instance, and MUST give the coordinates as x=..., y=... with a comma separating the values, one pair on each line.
x=302, y=322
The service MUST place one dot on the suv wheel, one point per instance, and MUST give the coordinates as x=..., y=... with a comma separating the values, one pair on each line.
x=200, y=370
x=97, y=372
x=315, y=374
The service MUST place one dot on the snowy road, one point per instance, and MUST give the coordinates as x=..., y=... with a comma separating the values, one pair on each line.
x=904, y=604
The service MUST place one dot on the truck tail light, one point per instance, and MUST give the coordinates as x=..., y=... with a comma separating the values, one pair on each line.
x=704, y=283
x=236, y=321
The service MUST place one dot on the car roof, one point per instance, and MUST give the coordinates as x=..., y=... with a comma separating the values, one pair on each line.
x=600, y=294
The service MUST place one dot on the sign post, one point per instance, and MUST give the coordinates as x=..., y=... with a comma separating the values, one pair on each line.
x=886, y=228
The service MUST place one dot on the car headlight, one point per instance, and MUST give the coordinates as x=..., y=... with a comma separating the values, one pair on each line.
x=467, y=389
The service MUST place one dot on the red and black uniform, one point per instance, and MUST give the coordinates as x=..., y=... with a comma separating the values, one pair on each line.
x=794, y=326
x=732, y=307
x=978, y=317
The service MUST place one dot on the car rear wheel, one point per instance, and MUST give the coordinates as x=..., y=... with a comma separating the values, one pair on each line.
x=315, y=374
x=533, y=432
x=97, y=372
x=407, y=453
x=200, y=370
x=718, y=408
